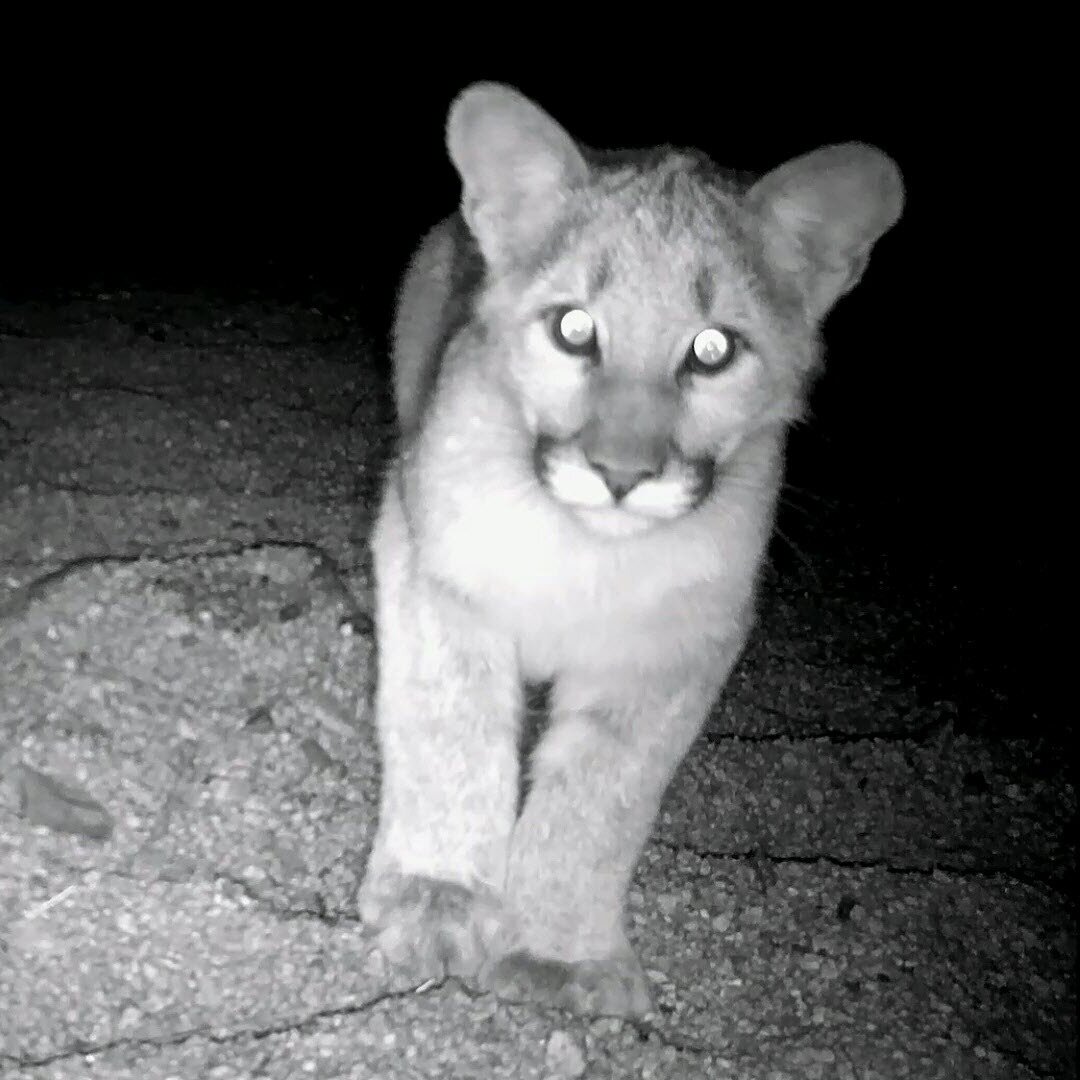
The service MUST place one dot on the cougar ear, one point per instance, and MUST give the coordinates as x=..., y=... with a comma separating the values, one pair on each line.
x=517, y=167
x=821, y=215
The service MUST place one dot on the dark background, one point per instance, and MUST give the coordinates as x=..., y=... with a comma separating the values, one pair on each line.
x=317, y=182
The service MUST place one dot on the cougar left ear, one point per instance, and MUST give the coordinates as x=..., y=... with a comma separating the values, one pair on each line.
x=822, y=214
x=517, y=166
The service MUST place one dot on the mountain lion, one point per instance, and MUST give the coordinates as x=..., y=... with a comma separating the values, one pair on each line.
x=595, y=363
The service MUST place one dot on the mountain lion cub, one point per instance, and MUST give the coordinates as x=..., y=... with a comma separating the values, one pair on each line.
x=595, y=362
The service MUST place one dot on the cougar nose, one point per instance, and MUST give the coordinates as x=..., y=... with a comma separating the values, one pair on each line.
x=620, y=482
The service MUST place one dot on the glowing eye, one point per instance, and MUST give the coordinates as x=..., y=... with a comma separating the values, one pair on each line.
x=712, y=351
x=574, y=331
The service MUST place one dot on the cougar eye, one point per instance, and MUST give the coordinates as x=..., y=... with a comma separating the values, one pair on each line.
x=712, y=351
x=573, y=331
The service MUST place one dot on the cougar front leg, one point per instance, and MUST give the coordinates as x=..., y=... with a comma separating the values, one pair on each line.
x=448, y=703
x=597, y=781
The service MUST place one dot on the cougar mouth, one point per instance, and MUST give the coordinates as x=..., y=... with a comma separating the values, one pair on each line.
x=654, y=494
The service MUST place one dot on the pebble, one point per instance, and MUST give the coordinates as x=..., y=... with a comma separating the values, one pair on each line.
x=564, y=1056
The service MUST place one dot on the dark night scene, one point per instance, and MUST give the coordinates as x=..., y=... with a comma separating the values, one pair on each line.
x=525, y=575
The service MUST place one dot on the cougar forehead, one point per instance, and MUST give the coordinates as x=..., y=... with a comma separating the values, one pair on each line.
x=656, y=249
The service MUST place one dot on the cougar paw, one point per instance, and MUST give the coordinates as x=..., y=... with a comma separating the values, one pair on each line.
x=423, y=928
x=611, y=986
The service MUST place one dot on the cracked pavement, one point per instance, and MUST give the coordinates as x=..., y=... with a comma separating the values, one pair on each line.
x=851, y=877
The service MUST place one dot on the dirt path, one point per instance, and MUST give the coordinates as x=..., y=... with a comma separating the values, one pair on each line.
x=840, y=885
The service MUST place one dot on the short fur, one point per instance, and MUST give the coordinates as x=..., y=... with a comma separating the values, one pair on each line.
x=594, y=518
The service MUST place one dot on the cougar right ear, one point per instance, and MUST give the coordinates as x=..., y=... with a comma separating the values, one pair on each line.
x=517, y=166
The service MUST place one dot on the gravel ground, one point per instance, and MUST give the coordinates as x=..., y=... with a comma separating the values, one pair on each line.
x=846, y=881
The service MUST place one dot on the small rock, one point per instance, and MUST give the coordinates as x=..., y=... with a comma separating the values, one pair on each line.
x=564, y=1056
x=668, y=903
x=320, y=761
x=60, y=805
x=130, y=1018
x=292, y=610
x=260, y=720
